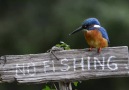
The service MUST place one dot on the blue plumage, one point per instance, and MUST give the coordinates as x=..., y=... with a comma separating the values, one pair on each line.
x=91, y=21
x=104, y=33
x=95, y=35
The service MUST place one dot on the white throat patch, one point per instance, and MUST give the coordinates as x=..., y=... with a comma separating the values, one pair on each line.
x=97, y=26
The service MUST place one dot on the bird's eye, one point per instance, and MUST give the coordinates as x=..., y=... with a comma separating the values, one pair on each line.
x=84, y=26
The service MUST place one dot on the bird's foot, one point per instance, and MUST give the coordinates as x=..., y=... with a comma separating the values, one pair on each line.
x=90, y=49
x=99, y=50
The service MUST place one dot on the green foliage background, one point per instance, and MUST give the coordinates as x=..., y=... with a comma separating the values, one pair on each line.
x=34, y=26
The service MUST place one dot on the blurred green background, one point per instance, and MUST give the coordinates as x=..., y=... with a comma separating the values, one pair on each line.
x=34, y=26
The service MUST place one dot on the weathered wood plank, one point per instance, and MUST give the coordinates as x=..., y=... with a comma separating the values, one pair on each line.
x=73, y=65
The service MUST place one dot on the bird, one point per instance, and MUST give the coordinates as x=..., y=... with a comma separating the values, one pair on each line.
x=96, y=36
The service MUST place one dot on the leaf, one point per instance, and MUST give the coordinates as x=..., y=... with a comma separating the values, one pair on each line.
x=58, y=45
x=75, y=84
x=63, y=45
x=46, y=88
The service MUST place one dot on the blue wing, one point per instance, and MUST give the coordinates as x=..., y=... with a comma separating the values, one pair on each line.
x=104, y=33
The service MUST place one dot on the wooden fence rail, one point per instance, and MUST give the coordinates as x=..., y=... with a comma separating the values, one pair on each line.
x=73, y=65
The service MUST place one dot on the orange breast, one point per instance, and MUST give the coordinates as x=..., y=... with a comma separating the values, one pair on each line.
x=94, y=39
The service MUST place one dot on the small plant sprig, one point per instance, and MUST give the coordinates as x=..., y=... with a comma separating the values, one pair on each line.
x=65, y=47
x=46, y=88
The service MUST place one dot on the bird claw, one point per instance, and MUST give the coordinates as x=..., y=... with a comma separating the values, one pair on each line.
x=90, y=49
x=99, y=50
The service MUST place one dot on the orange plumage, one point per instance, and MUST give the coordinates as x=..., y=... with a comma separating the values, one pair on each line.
x=95, y=40
x=95, y=35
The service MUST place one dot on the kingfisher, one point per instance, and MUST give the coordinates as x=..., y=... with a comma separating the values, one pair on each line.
x=95, y=35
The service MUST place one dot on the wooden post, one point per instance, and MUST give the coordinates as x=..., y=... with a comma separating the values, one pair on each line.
x=65, y=86
x=73, y=65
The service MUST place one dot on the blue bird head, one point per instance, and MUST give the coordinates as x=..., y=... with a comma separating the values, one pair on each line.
x=90, y=21
x=86, y=24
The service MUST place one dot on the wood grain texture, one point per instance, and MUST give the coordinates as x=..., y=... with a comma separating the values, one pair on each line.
x=73, y=65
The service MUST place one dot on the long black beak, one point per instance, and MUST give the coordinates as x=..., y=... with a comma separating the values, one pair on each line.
x=77, y=30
